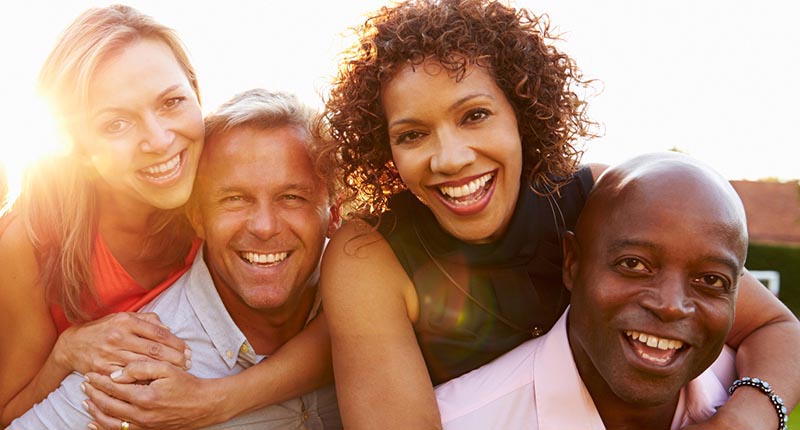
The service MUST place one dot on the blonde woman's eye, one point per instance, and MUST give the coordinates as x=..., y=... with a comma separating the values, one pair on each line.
x=115, y=126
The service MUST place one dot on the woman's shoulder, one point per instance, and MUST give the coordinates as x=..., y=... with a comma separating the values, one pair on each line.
x=357, y=239
x=14, y=241
x=20, y=271
x=358, y=264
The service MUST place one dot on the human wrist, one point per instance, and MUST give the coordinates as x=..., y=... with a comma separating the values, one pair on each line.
x=60, y=355
x=764, y=389
x=222, y=399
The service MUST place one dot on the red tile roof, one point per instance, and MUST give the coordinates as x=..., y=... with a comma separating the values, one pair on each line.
x=773, y=211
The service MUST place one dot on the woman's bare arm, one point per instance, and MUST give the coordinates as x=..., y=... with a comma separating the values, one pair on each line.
x=29, y=371
x=381, y=378
x=34, y=359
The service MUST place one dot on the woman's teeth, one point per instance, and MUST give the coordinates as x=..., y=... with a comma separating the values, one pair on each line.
x=163, y=168
x=255, y=258
x=654, y=341
x=467, y=189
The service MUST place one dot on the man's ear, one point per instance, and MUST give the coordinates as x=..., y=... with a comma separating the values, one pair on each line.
x=335, y=220
x=195, y=216
x=571, y=250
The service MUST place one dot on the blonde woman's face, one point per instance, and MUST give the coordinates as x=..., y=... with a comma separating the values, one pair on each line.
x=145, y=130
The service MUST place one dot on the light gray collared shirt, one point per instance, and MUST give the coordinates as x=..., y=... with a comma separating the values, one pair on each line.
x=194, y=312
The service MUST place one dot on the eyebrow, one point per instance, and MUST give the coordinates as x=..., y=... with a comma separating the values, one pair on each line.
x=619, y=245
x=160, y=95
x=458, y=103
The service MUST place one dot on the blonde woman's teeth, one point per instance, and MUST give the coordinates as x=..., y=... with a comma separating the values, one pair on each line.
x=164, y=167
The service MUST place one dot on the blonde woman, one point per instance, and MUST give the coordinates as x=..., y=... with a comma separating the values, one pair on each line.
x=100, y=231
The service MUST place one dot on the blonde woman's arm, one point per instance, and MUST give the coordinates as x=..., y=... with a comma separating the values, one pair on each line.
x=34, y=359
x=300, y=366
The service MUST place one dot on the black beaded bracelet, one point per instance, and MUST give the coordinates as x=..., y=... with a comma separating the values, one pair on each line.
x=765, y=388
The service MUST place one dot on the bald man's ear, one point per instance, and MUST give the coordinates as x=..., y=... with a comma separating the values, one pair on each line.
x=571, y=250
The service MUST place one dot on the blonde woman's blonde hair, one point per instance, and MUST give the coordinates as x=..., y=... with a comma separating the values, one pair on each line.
x=58, y=198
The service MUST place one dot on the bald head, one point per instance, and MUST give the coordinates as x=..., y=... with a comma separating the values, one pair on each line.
x=666, y=182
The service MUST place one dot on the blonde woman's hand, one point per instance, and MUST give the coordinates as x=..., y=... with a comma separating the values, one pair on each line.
x=116, y=340
x=154, y=395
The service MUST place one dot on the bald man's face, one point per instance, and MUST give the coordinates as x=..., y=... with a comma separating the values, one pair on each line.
x=653, y=271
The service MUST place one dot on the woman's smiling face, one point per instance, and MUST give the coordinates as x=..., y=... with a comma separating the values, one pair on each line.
x=457, y=147
x=145, y=130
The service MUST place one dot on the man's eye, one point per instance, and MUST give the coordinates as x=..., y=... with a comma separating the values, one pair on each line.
x=173, y=102
x=633, y=264
x=714, y=281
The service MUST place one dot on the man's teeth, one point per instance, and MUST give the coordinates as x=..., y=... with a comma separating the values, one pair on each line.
x=653, y=341
x=255, y=258
x=163, y=167
x=466, y=189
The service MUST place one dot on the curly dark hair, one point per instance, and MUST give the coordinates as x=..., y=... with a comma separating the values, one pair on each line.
x=513, y=45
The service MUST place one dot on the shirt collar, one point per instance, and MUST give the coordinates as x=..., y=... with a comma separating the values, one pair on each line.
x=227, y=339
x=568, y=405
x=562, y=401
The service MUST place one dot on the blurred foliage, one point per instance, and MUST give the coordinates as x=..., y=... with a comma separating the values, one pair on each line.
x=786, y=261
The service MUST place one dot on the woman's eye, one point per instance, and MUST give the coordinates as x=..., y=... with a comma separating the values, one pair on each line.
x=476, y=115
x=633, y=264
x=115, y=126
x=408, y=137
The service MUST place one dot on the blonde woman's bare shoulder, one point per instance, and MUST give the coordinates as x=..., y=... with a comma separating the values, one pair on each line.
x=16, y=247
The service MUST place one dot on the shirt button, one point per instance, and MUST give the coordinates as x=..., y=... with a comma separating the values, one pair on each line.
x=229, y=353
x=537, y=331
x=244, y=349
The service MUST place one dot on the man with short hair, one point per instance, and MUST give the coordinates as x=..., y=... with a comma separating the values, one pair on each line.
x=653, y=267
x=263, y=213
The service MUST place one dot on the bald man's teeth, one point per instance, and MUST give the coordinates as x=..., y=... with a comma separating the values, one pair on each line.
x=255, y=258
x=654, y=341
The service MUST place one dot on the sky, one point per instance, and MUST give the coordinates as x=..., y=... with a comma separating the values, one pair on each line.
x=717, y=79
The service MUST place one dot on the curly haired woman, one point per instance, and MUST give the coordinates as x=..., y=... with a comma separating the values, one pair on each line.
x=455, y=125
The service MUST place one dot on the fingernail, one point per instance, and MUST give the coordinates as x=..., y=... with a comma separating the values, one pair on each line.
x=85, y=405
x=188, y=364
x=83, y=387
x=116, y=374
x=187, y=353
x=92, y=426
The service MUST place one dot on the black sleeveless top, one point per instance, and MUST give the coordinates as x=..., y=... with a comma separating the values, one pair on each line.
x=478, y=301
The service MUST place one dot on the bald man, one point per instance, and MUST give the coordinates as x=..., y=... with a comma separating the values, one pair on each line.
x=653, y=268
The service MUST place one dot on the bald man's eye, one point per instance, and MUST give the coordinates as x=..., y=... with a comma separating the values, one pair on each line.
x=630, y=264
x=713, y=281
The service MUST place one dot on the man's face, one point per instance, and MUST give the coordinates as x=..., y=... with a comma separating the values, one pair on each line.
x=653, y=278
x=263, y=213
